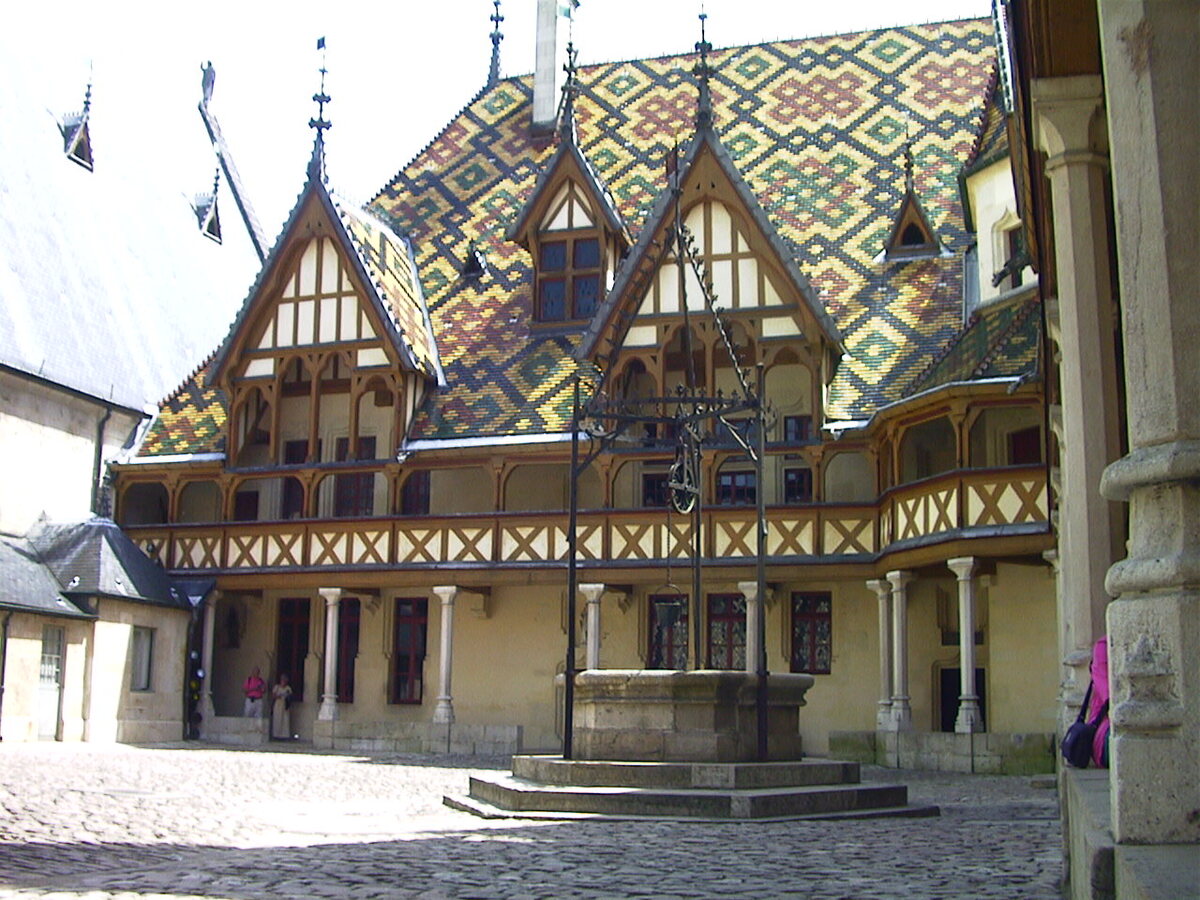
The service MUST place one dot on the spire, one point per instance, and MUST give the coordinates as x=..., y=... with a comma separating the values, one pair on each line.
x=566, y=119
x=497, y=37
x=908, y=158
x=702, y=71
x=316, y=165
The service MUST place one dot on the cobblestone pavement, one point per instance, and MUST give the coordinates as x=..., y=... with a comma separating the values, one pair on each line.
x=193, y=820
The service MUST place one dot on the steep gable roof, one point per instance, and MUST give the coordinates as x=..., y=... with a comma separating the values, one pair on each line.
x=382, y=262
x=607, y=320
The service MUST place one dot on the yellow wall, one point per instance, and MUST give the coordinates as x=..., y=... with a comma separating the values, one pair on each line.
x=1023, y=680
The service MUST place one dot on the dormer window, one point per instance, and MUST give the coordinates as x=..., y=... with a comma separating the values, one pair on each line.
x=76, y=135
x=569, y=277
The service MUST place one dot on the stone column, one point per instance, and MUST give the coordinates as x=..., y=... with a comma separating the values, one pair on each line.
x=754, y=610
x=207, y=710
x=970, y=718
x=883, y=591
x=592, y=594
x=329, y=705
x=1151, y=68
x=443, y=713
x=1069, y=124
x=901, y=709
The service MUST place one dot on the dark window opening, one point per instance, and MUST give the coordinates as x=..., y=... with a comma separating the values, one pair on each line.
x=1025, y=446
x=245, y=505
x=668, y=631
x=797, y=486
x=737, y=488
x=354, y=494
x=797, y=429
x=349, y=614
x=554, y=256
x=414, y=496
x=291, y=643
x=654, y=489
x=568, y=285
x=726, y=631
x=408, y=648
x=913, y=236
x=812, y=632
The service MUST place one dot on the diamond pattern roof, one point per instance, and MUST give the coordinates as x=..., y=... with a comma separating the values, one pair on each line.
x=816, y=128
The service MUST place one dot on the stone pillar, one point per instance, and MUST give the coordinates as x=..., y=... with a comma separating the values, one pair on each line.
x=1069, y=125
x=592, y=594
x=883, y=591
x=970, y=718
x=207, y=711
x=901, y=708
x=754, y=610
x=329, y=705
x=443, y=713
x=1151, y=68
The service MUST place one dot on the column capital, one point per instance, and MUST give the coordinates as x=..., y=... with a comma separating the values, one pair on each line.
x=446, y=593
x=962, y=566
x=592, y=592
x=1066, y=110
x=881, y=587
x=900, y=579
x=332, y=595
x=749, y=590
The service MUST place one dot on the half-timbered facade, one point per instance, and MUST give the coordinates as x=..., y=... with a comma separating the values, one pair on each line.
x=375, y=463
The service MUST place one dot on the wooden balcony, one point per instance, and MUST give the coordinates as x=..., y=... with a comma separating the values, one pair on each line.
x=964, y=504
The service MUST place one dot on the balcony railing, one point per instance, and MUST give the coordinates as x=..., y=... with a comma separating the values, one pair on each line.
x=959, y=504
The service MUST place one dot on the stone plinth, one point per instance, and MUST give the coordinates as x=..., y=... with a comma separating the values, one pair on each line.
x=653, y=715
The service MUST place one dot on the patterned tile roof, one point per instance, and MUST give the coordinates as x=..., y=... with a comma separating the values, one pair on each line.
x=389, y=262
x=191, y=420
x=815, y=127
x=1001, y=340
x=991, y=140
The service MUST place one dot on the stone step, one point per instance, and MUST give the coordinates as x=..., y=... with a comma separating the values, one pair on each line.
x=713, y=776
x=514, y=794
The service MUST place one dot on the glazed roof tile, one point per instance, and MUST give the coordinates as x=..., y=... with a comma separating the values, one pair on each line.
x=1001, y=340
x=815, y=128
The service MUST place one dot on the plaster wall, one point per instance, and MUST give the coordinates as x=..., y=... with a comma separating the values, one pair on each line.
x=49, y=437
x=994, y=210
x=1023, y=680
x=20, y=713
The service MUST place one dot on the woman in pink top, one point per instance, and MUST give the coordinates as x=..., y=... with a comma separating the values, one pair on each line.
x=1100, y=700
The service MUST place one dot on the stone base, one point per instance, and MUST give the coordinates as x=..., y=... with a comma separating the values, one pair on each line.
x=237, y=731
x=982, y=753
x=554, y=788
x=418, y=737
x=653, y=715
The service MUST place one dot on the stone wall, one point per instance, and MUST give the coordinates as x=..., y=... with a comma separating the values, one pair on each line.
x=981, y=754
x=419, y=737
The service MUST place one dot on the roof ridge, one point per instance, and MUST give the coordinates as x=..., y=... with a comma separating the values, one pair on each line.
x=981, y=126
x=191, y=377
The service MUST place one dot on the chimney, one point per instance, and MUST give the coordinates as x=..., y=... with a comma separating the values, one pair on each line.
x=547, y=69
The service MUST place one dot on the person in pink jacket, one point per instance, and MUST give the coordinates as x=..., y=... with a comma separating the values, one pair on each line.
x=1099, y=700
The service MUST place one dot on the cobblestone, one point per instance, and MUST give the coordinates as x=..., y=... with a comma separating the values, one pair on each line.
x=197, y=821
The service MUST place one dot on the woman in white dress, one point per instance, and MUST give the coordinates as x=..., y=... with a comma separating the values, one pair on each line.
x=281, y=713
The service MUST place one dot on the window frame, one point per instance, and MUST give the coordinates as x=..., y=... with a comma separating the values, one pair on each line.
x=727, y=621
x=661, y=654
x=570, y=275
x=141, y=659
x=730, y=493
x=406, y=684
x=796, y=473
x=801, y=610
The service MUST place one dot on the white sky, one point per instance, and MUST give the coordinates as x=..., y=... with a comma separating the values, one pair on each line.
x=398, y=71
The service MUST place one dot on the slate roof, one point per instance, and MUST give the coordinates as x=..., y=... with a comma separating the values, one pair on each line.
x=106, y=284
x=816, y=127
x=96, y=559
x=28, y=586
x=1000, y=340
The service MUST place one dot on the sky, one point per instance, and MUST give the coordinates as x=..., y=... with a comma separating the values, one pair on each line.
x=397, y=71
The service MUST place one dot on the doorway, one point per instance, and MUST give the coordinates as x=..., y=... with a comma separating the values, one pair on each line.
x=291, y=643
x=951, y=688
x=50, y=683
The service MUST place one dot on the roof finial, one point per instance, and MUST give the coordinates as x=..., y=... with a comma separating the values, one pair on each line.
x=908, y=157
x=566, y=120
x=320, y=123
x=497, y=37
x=702, y=71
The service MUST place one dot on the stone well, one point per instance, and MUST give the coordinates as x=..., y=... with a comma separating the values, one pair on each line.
x=663, y=715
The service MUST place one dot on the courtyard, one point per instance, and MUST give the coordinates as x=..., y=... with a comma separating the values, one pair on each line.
x=195, y=820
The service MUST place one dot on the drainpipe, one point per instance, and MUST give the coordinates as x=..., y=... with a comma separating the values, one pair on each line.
x=99, y=459
x=3, y=665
